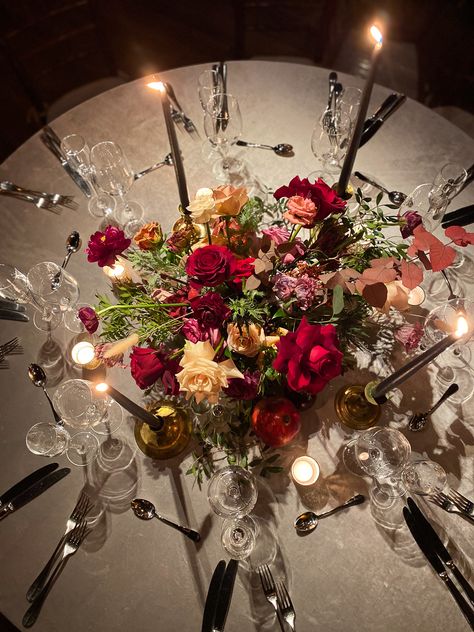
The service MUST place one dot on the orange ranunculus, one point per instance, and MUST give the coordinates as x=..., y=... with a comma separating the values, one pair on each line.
x=229, y=200
x=148, y=236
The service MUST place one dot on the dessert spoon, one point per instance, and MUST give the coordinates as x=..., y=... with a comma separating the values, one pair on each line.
x=145, y=510
x=418, y=420
x=308, y=521
x=396, y=197
x=282, y=149
x=39, y=379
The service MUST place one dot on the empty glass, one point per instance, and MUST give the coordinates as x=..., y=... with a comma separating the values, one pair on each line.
x=447, y=183
x=329, y=142
x=232, y=492
x=239, y=536
x=54, y=290
x=223, y=127
x=424, y=477
x=431, y=209
x=209, y=84
x=113, y=173
x=14, y=284
x=48, y=439
x=349, y=101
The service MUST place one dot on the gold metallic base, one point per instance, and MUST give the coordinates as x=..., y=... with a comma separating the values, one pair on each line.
x=172, y=439
x=354, y=410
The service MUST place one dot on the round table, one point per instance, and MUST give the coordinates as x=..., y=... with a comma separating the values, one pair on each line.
x=359, y=570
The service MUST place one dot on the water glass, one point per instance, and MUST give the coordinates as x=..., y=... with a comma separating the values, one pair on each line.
x=223, y=127
x=329, y=142
x=47, y=439
x=424, y=477
x=448, y=182
x=349, y=101
x=232, y=492
x=54, y=291
x=239, y=536
x=209, y=84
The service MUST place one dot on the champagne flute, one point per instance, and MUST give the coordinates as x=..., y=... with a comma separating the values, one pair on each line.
x=223, y=127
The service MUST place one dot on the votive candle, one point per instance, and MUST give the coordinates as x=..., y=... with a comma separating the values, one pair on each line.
x=305, y=470
x=83, y=353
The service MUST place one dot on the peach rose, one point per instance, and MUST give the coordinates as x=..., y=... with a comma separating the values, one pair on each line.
x=203, y=207
x=201, y=376
x=246, y=340
x=148, y=236
x=301, y=210
x=229, y=200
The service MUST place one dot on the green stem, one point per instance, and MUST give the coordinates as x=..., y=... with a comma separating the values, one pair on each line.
x=295, y=231
x=208, y=231
x=100, y=312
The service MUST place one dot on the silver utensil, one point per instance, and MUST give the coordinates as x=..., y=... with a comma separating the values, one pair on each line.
x=10, y=347
x=145, y=510
x=56, y=198
x=38, y=201
x=395, y=197
x=463, y=503
x=80, y=511
x=39, y=379
x=448, y=505
x=51, y=142
x=10, y=314
x=282, y=149
x=6, y=303
x=269, y=590
x=178, y=114
x=308, y=521
x=286, y=606
x=450, y=287
x=71, y=545
x=73, y=243
x=328, y=112
x=418, y=421
x=168, y=161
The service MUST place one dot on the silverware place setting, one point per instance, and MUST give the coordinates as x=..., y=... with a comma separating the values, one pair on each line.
x=454, y=503
x=219, y=596
x=56, y=199
x=178, y=115
x=278, y=596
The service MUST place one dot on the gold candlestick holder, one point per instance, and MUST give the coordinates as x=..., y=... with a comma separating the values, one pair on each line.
x=354, y=408
x=172, y=438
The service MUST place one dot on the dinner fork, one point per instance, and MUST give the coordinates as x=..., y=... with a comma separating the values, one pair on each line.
x=72, y=543
x=38, y=201
x=179, y=116
x=448, y=505
x=80, y=511
x=286, y=607
x=269, y=590
x=466, y=505
x=11, y=347
x=55, y=198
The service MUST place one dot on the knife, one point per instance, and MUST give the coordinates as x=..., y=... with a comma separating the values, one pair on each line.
x=225, y=108
x=376, y=122
x=26, y=482
x=213, y=597
x=6, y=303
x=436, y=563
x=33, y=491
x=225, y=595
x=442, y=552
x=74, y=175
x=216, y=90
x=464, y=214
x=10, y=314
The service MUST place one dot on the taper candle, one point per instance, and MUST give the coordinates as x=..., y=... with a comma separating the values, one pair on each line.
x=133, y=408
x=361, y=114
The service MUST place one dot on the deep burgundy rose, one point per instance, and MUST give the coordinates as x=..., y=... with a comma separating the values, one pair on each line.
x=246, y=388
x=194, y=331
x=309, y=357
x=210, y=265
x=168, y=378
x=325, y=199
x=104, y=247
x=210, y=310
x=412, y=219
x=147, y=366
x=243, y=269
x=88, y=318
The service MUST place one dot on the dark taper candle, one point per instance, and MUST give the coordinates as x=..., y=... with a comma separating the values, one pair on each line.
x=134, y=409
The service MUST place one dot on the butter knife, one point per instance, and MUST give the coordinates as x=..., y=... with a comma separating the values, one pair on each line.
x=6, y=303
x=11, y=314
x=389, y=107
x=460, y=217
x=32, y=492
x=26, y=483
x=225, y=595
x=213, y=597
x=74, y=175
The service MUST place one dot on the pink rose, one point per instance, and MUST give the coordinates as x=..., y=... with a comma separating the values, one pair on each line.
x=301, y=210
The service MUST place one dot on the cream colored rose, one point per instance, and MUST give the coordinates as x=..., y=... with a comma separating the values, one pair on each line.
x=201, y=376
x=246, y=340
x=203, y=207
x=229, y=200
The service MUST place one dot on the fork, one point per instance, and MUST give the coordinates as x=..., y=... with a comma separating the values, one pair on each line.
x=80, y=511
x=178, y=115
x=72, y=543
x=464, y=504
x=286, y=607
x=55, y=198
x=38, y=201
x=448, y=505
x=269, y=589
x=10, y=347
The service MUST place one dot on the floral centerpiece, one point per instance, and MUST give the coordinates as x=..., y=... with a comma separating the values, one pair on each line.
x=246, y=302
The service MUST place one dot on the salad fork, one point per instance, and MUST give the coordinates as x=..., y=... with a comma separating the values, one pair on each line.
x=55, y=198
x=448, y=505
x=38, y=201
x=286, y=607
x=466, y=505
x=72, y=543
x=11, y=347
x=80, y=511
x=269, y=589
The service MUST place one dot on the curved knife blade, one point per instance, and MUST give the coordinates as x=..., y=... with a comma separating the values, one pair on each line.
x=26, y=483
x=213, y=597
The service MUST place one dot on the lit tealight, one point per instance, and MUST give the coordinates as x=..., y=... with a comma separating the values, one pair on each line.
x=102, y=387
x=115, y=272
x=305, y=470
x=416, y=296
x=83, y=353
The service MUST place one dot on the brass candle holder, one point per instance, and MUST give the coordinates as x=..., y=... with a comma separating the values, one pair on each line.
x=174, y=435
x=354, y=408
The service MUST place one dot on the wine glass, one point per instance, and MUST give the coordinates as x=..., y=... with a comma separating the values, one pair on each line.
x=232, y=492
x=223, y=126
x=431, y=209
x=77, y=153
x=447, y=183
x=54, y=290
x=49, y=439
x=112, y=172
x=329, y=141
x=349, y=101
x=424, y=477
x=209, y=84
x=239, y=536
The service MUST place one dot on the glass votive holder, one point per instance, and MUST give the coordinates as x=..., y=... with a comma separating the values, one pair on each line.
x=305, y=471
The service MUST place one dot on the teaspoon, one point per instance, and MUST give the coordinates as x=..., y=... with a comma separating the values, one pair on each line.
x=168, y=161
x=73, y=243
x=308, y=521
x=38, y=377
x=418, y=420
x=396, y=197
x=145, y=510
x=282, y=149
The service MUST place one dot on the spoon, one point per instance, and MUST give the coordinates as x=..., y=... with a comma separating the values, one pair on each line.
x=308, y=521
x=418, y=420
x=145, y=510
x=73, y=243
x=282, y=149
x=396, y=197
x=38, y=377
x=168, y=160
x=452, y=295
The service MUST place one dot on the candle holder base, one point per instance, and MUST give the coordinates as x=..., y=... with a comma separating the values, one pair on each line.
x=354, y=410
x=172, y=439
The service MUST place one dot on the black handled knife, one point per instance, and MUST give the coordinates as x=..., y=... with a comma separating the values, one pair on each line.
x=11, y=314
x=213, y=597
x=376, y=122
x=26, y=483
x=225, y=106
x=442, y=552
x=6, y=303
x=436, y=563
x=460, y=217
x=469, y=178
x=225, y=595
x=33, y=491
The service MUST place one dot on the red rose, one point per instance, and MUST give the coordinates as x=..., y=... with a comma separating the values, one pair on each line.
x=309, y=357
x=193, y=330
x=210, y=310
x=146, y=366
x=243, y=269
x=244, y=388
x=325, y=199
x=104, y=247
x=210, y=265
x=88, y=318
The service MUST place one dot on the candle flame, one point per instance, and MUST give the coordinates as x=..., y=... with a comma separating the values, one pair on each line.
x=156, y=85
x=117, y=269
x=376, y=34
x=102, y=387
x=462, y=327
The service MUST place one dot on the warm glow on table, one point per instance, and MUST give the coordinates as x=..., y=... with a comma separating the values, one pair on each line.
x=305, y=470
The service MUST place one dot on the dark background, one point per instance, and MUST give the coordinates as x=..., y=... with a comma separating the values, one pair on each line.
x=49, y=47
